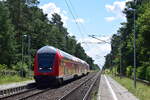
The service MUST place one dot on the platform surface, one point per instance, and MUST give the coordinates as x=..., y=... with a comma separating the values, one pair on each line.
x=109, y=89
x=16, y=84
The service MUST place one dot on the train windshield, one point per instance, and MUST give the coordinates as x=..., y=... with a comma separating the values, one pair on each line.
x=45, y=62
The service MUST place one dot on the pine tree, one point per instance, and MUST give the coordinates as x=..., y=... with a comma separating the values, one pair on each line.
x=7, y=39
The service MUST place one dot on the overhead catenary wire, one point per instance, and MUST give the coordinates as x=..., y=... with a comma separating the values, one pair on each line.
x=82, y=26
x=93, y=36
x=75, y=17
x=88, y=45
x=78, y=23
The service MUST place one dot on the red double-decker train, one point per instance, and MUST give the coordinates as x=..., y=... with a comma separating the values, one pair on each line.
x=52, y=65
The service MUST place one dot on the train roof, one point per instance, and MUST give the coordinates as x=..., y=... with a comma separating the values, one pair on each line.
x=47, y=49
x=71, y=57
x=51, y=49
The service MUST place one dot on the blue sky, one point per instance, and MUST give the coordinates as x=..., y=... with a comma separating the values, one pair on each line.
x=95, y=17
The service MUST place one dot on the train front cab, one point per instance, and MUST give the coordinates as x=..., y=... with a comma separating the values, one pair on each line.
x=46, y=65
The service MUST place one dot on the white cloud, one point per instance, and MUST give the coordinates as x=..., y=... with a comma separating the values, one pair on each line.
x=79, y=20
x=128, y=0
x=116, y=8
x=51, y=8
x=96, y=51
x=109, y=19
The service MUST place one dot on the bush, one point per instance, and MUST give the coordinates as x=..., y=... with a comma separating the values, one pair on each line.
x=141, y=72
x=107, y=71
x=3, y=66
x=129, y=71
x=22, y=68
x=148, y=73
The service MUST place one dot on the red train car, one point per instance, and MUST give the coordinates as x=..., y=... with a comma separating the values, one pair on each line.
x=53, y=65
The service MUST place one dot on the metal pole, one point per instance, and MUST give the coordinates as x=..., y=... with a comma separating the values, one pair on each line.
x=111, y=64
x=134, y=53
x=120, y=62
x=22, y=56
x=29, y=60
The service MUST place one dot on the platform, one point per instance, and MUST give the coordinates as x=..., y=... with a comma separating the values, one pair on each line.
x=16, y=84
x=109, y=89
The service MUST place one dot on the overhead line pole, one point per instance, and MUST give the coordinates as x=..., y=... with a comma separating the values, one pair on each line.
x=120, y=59
x=134, y=53
x=134, y=42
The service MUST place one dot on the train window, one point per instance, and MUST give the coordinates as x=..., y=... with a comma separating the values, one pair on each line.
x=45, y=62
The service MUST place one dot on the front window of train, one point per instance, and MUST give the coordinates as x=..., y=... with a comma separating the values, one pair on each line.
x=45, y=62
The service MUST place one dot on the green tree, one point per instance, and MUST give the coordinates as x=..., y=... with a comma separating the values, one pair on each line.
x=124, y=39
x=7, y=39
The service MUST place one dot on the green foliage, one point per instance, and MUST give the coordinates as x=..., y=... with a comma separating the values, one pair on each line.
x=7, y=40
x=22, y=68
x=129, y=70
x=124, y=40
x=3, y=67
x=141, y=91
x=95, y=67
x=19, y=66
x=9, y=79
x=148, y=73
x=24, y=17
x=141, y=72
x=114, y=70
x=107, y=71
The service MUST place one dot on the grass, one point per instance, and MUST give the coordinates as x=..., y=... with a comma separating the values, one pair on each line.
x=142, y=91
x=94, y=95
x=12, y=79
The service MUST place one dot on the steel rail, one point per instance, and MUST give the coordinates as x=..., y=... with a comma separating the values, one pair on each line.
x=5, y=93
x=16, y=94
x=91, y=87
x=76, y=88
x=39, y=92
x=34, y=94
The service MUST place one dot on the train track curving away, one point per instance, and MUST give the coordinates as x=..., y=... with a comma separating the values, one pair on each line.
x=71, y=90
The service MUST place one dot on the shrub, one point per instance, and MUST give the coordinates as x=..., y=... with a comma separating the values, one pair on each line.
x=3, y=66
x=129, y=71
x=107, y=71
x=141, y=72
x=22, y=68
x=148, y=73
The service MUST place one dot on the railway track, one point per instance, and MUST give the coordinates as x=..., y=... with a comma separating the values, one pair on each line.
x=36, y=92
x=75, y=91
x=94, y=86
x=5, y=93
x=69, y=91
x=63, y=92
x=55, y=90
x=25, y=94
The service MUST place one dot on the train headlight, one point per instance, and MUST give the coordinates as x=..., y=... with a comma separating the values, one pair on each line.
x=40, y=68
x=50, y=68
